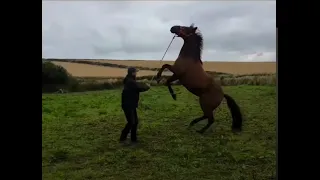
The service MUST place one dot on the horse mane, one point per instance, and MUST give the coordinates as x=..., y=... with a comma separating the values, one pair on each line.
x=199, y=46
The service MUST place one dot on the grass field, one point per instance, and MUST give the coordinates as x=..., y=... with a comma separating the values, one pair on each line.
x=80, y=134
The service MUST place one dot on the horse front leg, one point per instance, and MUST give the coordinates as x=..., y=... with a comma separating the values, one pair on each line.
x=165, y=66
x=168, y=83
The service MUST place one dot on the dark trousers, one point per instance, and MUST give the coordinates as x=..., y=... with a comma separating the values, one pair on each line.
x=132, y=124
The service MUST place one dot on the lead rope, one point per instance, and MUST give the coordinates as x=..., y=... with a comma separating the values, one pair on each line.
x=140, y=124
x=164, y=56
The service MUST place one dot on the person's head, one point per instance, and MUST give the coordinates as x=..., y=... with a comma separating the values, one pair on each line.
x=132, y=71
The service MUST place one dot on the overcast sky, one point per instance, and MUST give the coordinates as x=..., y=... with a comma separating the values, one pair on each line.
x=232, y=30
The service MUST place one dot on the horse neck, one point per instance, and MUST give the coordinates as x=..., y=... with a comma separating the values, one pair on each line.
x=190, y=50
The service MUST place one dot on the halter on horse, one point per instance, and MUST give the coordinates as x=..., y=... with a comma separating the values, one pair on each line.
x=189, y=71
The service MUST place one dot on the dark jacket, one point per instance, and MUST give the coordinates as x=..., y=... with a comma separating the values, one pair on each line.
x=131, y=92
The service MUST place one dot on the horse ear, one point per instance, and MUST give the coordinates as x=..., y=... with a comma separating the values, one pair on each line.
x=195, y=28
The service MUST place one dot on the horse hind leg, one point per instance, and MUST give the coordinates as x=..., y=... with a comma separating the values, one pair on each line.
x=210, y=122
x=208, y=106
x=195, y=121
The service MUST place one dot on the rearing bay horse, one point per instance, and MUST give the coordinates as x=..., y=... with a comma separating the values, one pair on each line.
x=189, y=71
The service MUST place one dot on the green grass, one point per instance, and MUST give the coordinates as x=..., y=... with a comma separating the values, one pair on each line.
x=80, y=134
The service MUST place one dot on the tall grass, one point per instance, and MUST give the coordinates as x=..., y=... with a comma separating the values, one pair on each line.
x=90, y=84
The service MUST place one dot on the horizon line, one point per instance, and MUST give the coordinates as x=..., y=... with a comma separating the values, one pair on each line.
x=151, y=60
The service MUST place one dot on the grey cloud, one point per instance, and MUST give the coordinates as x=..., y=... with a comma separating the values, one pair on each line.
x=140, y=30
x=232, y=26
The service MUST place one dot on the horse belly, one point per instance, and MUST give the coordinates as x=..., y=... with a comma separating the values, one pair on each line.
x=191, y=75
x=194, y=87
x=195, y=81
x=195, y=91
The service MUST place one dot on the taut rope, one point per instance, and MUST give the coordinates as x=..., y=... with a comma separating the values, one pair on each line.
x=164, y=54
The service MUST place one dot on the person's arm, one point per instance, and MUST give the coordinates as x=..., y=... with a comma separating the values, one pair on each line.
x=136, y=86
x=142, y=87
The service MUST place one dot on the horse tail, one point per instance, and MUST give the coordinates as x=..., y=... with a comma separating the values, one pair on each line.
x=235, y=113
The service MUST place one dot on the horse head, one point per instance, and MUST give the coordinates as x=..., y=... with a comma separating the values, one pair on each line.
x=193, y=41
x=184, y=31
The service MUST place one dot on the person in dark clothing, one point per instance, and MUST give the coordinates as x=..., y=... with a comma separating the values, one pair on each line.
x=129, y=103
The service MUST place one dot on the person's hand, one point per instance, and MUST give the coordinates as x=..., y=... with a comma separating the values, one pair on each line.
x=148, y=85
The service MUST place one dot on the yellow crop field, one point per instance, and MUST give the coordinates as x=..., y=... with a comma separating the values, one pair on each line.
x=140, y=63
x=86, y=70
x=236, y=68
x=226, y=67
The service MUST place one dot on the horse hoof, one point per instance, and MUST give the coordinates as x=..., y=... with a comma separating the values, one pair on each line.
x=191, y=124
x=236, y=130
x=174, y=96
x=199, y=131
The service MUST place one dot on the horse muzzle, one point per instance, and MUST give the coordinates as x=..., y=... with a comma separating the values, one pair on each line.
x=175, y=29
